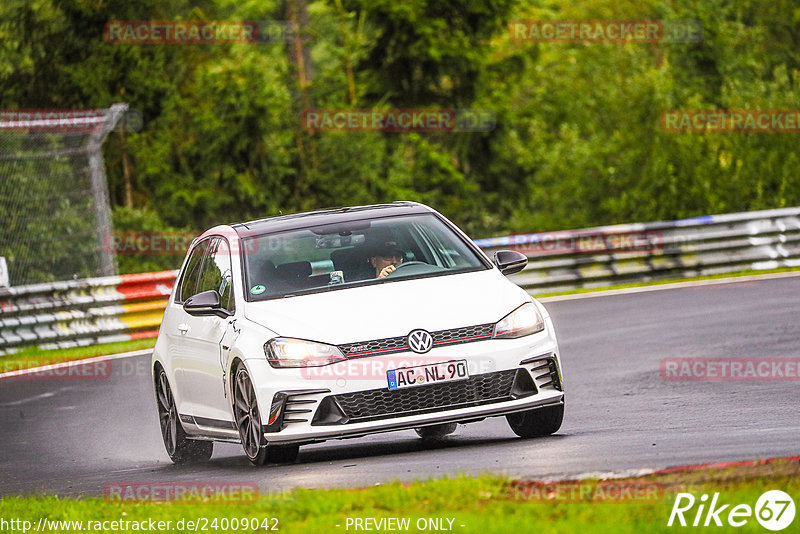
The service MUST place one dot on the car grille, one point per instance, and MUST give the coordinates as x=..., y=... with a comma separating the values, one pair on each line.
x=384, y=403
x=390, y=345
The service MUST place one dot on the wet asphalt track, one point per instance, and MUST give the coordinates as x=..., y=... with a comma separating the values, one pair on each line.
x=75, y=436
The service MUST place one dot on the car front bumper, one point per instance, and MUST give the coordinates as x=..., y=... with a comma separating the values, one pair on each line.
x=308, y=405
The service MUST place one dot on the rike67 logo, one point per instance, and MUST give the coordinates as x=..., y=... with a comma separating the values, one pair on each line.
x=774, y=510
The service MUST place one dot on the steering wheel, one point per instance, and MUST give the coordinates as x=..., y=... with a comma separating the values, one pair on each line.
x=405, y=264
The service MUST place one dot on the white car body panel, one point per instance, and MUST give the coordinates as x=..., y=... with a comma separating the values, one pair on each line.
x=199, y=362
x=392, y=308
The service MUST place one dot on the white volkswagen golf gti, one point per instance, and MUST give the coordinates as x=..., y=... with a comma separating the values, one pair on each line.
x=341, y=323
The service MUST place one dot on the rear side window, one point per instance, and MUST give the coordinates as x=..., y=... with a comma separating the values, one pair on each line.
x=189, y=281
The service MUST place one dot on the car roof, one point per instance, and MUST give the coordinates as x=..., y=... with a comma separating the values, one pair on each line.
x=328, y=216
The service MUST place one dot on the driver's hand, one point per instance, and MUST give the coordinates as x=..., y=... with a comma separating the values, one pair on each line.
x=386, y=270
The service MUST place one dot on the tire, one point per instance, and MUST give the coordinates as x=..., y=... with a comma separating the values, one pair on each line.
x=247, y=417
x=179, y=447
x=248, y=422
x=434, y=432
x=536, y=423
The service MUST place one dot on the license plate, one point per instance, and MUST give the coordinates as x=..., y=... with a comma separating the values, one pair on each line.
x=407, y=377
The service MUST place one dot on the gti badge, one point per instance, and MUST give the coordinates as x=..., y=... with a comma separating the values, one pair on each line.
x=420, y=341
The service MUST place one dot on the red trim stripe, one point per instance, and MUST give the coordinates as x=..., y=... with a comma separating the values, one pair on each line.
x=462, y=339
x=404, y=347
x=376, y=351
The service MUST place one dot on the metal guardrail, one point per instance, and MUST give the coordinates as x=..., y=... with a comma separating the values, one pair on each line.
x=83, y=312
x=609, y=255
x=117, y=308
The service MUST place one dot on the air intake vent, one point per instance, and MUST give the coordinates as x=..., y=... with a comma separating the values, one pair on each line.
x=545, y=371
x=291, y=406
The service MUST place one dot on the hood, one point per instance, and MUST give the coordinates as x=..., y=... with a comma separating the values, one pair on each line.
x=391, y=309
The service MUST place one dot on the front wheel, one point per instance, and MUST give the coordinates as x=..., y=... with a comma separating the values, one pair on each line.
x=179, y=448
x=248, y=422
x=248, y=419
x=536, y=423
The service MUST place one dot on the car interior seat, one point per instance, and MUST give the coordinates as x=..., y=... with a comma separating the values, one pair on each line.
x=354, y=263
x=261, y=273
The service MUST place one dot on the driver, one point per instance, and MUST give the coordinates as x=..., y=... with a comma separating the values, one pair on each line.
x=386, y=258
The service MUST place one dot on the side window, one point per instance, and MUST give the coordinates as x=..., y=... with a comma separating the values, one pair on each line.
x=189, y=280
x=227, y=298
x=217, y=274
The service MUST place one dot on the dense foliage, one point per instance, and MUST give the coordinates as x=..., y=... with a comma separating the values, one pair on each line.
x=577, y=140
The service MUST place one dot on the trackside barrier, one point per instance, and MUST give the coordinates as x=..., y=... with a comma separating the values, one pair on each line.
x=118, y=308
x=609, y=255
x=83, y=312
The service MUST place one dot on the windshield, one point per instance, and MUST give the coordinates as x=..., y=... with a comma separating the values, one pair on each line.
x=360, y=252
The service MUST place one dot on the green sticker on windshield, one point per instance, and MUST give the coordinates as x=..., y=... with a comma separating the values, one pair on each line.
x=257, y=290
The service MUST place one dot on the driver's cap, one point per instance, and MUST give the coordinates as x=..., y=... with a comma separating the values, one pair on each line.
x=389, y=248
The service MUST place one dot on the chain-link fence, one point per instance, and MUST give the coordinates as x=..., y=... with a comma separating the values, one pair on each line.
x=54, y=206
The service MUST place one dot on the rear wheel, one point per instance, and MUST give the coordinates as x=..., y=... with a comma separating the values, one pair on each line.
x=179, y=448
x=435, y=432
x=536, y=423
x=248, y=422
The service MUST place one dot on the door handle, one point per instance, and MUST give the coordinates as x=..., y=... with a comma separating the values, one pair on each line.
x=183, y=328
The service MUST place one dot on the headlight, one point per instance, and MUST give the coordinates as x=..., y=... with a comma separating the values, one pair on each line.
x=289, y=352
x=523, y=321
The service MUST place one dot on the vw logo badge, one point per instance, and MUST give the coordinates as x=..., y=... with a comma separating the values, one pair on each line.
x=420, y=341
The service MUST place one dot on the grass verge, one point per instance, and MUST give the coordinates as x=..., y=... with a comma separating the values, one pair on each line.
x=35, y=357
x=463, y=504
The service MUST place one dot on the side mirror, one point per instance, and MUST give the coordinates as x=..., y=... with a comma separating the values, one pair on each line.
x=510, y=261
x=205, y=303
